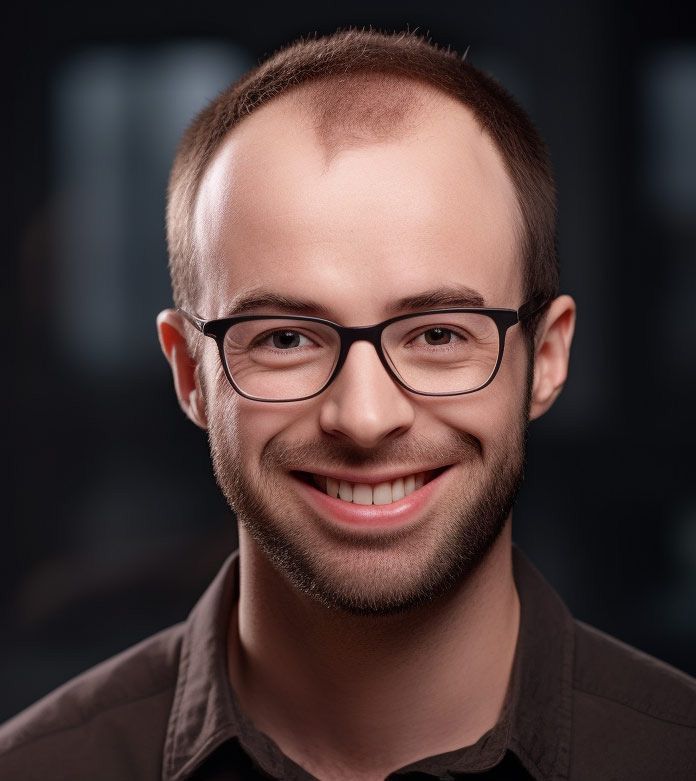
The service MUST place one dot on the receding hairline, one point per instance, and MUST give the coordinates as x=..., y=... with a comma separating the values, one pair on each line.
x=348, y=57
x=358, y=110
x=362, y=108
x=353, y=110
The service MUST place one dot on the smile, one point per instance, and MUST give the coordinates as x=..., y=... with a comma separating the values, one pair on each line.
x=366, y=493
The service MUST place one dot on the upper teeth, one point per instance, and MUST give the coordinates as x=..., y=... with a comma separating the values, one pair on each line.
x=361, y=493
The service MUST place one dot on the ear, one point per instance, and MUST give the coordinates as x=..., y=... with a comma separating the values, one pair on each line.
x=552, y=353
x=172, y=338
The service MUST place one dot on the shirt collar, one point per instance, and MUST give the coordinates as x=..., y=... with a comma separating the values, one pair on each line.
x=535, y=724
x=203, y=713
x=542, y=678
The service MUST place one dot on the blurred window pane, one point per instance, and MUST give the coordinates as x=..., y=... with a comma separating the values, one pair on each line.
x=119, y=113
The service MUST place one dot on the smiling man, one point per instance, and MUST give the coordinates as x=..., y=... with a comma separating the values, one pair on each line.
x=363, y=260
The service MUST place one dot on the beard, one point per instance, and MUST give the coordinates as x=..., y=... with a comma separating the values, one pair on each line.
x=358, y=572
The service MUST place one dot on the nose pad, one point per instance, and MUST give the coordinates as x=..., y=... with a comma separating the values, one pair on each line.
x=364, y=403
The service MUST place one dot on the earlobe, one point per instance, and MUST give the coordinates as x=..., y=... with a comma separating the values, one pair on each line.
x=552, y=355
x=197, y=411
x=172, y=338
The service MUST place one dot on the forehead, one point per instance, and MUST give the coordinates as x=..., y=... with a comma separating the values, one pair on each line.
x=373, y=221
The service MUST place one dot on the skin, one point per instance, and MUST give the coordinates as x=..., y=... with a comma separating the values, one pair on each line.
x=351, y=696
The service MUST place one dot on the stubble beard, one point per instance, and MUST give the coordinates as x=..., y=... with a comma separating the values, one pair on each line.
x=367, y=575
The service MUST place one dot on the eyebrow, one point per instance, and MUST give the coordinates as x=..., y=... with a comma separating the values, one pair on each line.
x=455, y=295
x=450, y=296
x=262, y=299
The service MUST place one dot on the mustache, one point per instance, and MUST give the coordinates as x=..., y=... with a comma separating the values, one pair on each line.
x=455, y=447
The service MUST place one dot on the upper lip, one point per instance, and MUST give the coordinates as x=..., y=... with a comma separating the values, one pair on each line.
x=374, y=476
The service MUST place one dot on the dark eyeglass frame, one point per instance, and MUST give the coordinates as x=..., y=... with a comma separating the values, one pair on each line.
x=503, y=318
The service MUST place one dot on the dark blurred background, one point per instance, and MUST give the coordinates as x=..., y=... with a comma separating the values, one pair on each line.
x=113, y=524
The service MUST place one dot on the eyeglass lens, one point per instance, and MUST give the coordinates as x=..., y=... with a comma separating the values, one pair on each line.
x=290, y=359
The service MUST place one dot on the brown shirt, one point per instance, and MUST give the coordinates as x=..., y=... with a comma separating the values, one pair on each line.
x=580, y=705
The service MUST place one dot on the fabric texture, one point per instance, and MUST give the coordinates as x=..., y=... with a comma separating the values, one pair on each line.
x=580, y=705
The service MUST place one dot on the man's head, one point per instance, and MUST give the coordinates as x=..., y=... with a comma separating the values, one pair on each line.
x=346, y=175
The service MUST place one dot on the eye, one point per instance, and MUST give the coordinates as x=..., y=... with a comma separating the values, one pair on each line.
x=285, y=340
x=438, y=336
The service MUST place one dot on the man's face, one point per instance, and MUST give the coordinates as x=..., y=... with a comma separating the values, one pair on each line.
x=431, y=209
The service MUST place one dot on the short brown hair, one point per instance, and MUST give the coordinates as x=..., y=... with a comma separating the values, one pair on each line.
x=341, y=59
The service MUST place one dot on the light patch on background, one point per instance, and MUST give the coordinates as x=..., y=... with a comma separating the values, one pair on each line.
x=669, y=107
x=119, y=113
x=670, y=124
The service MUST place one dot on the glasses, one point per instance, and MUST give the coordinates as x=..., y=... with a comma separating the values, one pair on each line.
x=442, y=352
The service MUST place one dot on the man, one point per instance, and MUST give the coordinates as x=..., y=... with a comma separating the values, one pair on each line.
x=362, y=249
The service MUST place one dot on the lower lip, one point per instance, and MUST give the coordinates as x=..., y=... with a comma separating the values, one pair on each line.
x=396, y=513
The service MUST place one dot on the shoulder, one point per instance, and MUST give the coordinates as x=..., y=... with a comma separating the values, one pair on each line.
x=113, y=714
x=606, y=667
x=631, y=711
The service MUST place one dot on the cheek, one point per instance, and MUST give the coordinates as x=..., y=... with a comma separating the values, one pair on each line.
x=492, y=413
x=478, y=414
x=254, y=424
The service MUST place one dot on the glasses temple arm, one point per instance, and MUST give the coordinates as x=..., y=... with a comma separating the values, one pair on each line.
x=196, y=322
x=531, y=307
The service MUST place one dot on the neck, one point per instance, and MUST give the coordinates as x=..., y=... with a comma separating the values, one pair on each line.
x=374, y=693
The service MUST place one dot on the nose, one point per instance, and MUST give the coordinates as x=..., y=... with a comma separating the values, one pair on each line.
x=364, y=403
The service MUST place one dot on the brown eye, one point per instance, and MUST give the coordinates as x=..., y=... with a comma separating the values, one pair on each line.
x=283, y=340
x=437, y=336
